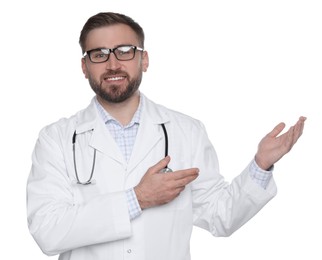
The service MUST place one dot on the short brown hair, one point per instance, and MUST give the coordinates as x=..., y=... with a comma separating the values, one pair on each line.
x=106, y=19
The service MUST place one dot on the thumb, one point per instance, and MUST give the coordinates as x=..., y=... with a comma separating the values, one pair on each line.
x=159, y=166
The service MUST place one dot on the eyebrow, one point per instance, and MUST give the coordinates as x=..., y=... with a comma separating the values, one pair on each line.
x=120, y=45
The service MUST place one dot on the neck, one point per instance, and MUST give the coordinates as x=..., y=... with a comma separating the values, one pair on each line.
x=123, y=112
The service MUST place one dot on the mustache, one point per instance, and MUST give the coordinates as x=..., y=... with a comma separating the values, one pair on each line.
x=114, y=72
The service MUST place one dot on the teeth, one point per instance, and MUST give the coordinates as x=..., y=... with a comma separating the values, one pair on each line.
x=115, y=78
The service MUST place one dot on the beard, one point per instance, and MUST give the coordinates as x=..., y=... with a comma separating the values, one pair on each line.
x=115, y=93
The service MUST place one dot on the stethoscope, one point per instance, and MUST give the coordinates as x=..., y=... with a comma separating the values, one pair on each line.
x=90, y=181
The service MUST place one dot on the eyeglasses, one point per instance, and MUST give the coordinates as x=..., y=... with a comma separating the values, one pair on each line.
x=122, y=53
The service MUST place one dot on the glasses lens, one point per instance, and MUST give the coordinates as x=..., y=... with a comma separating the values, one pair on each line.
x=125, y=52
x=99, y=55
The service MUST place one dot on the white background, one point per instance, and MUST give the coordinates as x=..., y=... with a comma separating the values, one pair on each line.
x=240, y=67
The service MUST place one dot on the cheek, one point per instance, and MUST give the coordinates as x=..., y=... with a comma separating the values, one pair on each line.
x=94, y=74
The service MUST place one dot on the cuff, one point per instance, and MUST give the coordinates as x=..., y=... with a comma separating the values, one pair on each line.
x=260, y=176
x=133, y=204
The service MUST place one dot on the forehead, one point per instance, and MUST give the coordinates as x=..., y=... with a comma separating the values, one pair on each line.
x=111, y=36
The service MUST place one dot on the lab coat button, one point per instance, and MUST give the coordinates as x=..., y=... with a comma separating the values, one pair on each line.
x=129, y=251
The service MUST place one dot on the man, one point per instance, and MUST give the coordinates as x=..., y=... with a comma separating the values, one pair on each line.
x=100, y=186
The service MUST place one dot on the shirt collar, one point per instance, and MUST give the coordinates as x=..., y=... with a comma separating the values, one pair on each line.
x=107, y=118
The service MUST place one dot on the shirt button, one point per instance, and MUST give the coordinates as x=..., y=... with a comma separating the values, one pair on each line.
x=129, y=251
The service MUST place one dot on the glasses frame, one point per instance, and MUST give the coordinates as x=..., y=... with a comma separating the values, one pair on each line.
x=108, y=52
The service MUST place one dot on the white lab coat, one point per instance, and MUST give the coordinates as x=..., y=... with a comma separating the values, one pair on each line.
x=92, y=222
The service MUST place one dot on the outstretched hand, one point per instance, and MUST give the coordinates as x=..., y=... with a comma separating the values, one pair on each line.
x=273, y=147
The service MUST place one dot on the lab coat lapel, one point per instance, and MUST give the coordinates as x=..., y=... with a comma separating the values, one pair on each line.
x=104, y=142
x=101, y=139
x=148, y=136
x=149, y=133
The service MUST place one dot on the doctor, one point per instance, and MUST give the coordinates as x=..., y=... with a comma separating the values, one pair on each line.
x=101, y=186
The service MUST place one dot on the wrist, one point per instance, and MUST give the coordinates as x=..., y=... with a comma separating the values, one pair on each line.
x=262, y=164
x=139, y=197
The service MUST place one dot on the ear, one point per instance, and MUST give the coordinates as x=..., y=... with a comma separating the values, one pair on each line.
x=84, y=68
x=145, y=61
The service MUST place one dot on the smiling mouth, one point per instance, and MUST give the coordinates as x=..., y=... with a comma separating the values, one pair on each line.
x=115, y=78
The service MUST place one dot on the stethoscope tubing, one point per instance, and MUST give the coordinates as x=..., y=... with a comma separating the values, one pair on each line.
x=90, y=181
x=166, y=142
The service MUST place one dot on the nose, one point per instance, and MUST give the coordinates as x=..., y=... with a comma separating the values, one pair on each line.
x=113, y=63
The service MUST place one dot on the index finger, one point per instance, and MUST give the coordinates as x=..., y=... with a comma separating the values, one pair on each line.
x=186, y=173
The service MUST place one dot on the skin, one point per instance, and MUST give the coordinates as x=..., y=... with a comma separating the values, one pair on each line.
x=114, y=77
x=274, y=146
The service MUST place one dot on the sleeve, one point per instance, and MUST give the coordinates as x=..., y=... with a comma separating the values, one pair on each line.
x=218, y=206
x=55, y=220
x=260, y=176
x=133, y=204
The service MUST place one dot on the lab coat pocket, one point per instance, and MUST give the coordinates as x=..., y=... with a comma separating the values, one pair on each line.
x=108, y=177
x=85, y=193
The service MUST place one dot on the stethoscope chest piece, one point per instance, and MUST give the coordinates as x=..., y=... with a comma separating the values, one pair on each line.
x=165, y=170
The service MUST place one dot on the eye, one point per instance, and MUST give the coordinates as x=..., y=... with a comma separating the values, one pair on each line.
x=98, y=55
x=124, y=50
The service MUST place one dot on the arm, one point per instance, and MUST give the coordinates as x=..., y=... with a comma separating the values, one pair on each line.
x=218, y=206
x=222, y=208
x=57, y=221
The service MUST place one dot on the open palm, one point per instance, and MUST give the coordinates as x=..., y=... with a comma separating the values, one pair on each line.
x=273, y=147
